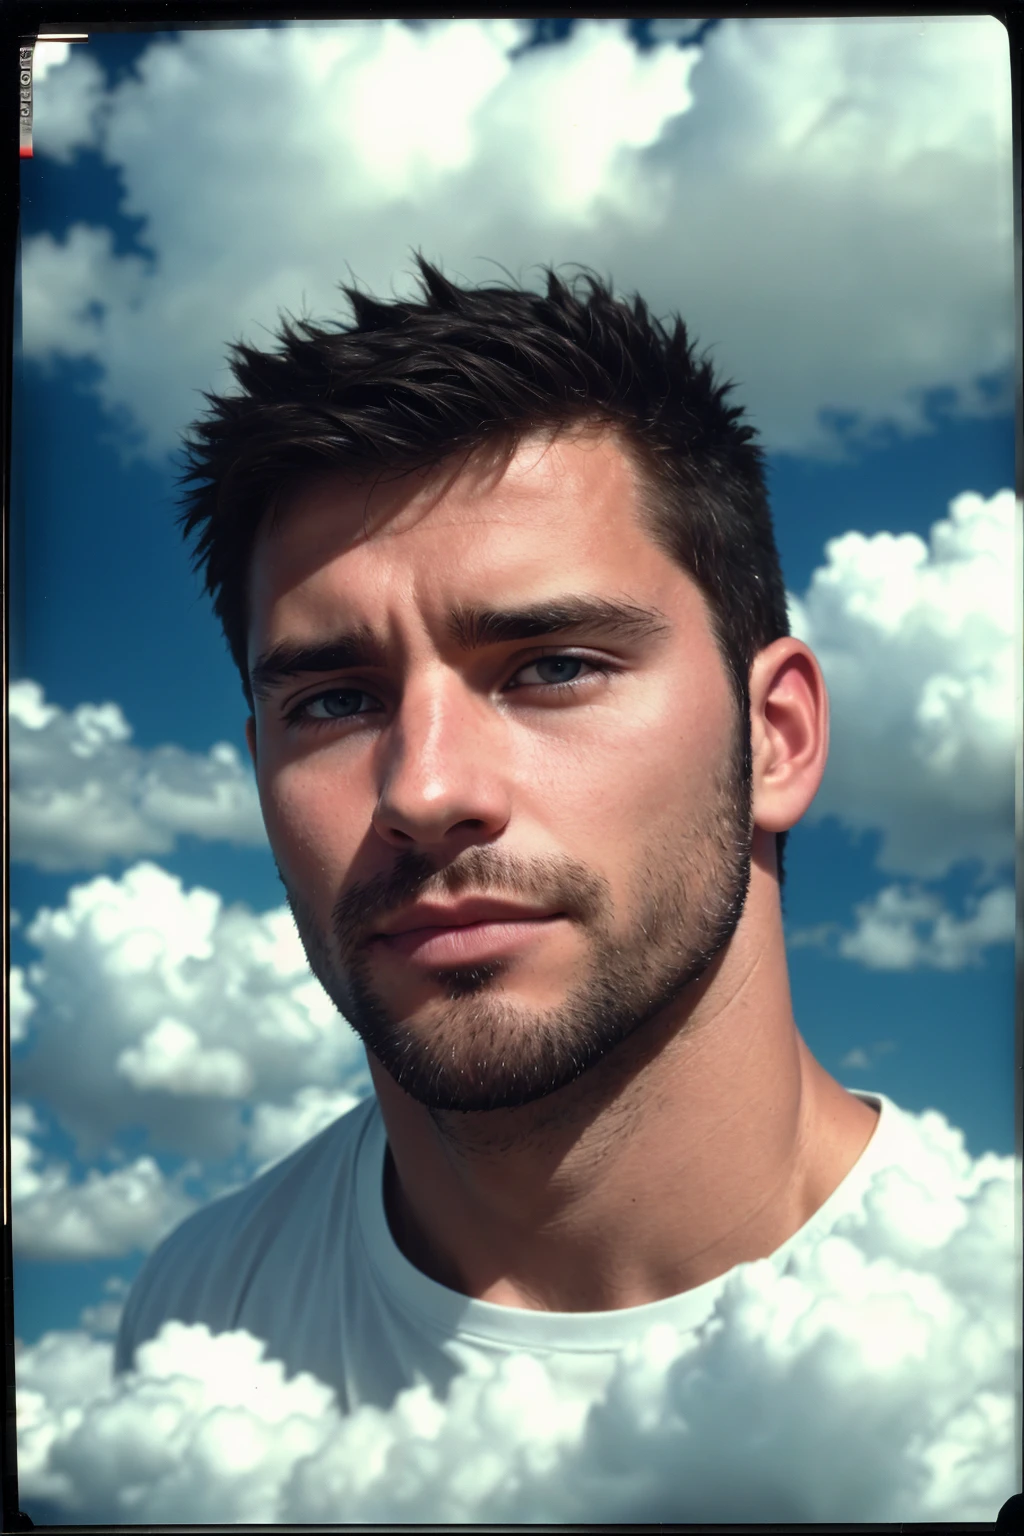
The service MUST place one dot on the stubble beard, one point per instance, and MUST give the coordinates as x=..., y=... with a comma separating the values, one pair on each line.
x=484, y=1052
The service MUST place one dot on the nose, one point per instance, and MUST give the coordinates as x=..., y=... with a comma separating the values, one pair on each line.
x=443, y=768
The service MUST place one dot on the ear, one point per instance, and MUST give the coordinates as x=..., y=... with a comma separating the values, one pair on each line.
x=788, y=732
x=250, y=738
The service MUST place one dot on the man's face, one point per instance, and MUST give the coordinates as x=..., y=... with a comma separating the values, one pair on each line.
x=592, y=776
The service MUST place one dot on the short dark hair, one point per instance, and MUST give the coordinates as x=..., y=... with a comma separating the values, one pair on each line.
x=406, y=384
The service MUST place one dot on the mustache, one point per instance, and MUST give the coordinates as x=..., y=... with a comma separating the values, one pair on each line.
x=564, y=883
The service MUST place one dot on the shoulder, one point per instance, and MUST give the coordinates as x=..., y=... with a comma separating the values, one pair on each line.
x=215, y=1259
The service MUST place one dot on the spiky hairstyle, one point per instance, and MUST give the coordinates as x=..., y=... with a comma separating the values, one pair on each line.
x=405, y=384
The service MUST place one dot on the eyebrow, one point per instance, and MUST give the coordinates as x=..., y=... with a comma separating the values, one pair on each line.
x=470, y=628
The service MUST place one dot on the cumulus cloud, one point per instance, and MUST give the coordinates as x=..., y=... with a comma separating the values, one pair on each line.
x=162, y=1007
x=829, y=204
x=171, y=1057
x=278, y=1129
x=104, y=1215
x=68, y=97
x=104, y=1317
x=917, y=645
x=47, y=56
x=82, y=794
x=904, y=928
x=202, y=1416
x=861, y=1057
x=873, y=1380
x=56, y=1380
x=76, y=282
x=901, y=929
x=20, y=1004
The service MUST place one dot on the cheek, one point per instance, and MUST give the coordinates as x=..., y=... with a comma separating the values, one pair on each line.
x=312, y=827
x=636, y=778
x=661, y=755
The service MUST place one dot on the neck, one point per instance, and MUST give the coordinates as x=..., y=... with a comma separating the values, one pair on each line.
x=705, y=1141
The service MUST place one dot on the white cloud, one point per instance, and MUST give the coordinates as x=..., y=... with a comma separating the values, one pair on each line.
x=919, y=650
x=905, y=928
x=162, y=1007
x=104, y=1317
x=278, y=1129
x=829, y=203
x=56, y=1379
x=20, y=1004
x=24, y=1123
x=901, y=929
x=171, y=1057
x=81, y=794
x=67, y=99
x=47, y=56
x=104, y=1215
x=201, y=1416
x=860, y=1059
x=874, y=1381
x=75, y=284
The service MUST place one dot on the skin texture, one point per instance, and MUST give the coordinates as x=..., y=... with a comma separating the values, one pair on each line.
x=622, y=1107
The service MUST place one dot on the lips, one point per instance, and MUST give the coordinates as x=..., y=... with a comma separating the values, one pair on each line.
x=501, y=931
x=460, y=914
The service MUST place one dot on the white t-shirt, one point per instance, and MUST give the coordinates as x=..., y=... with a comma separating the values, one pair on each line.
x=303, y=1259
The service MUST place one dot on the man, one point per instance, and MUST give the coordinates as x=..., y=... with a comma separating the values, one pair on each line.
x=529, y=729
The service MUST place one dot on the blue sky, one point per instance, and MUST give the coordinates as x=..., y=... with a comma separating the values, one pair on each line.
x=801, y=195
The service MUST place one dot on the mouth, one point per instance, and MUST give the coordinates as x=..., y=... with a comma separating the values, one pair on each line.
x=465, y=942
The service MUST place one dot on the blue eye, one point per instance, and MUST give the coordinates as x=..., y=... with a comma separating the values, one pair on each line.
x=329, y=706
x=559, y=664
x=342, y=703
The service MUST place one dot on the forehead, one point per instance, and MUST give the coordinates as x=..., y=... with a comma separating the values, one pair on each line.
x=557, y=508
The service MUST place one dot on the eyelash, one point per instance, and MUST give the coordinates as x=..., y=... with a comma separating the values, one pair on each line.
x=298, y=716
